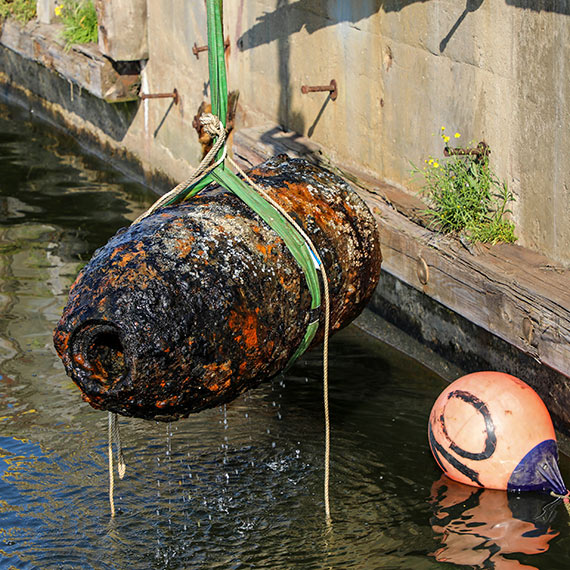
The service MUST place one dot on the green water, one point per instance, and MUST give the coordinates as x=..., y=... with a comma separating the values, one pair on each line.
x=230, y=488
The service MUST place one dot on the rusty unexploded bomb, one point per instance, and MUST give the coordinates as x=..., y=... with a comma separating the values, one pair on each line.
x=201, y=301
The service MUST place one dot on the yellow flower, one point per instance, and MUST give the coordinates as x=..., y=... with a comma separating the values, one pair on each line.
x=442, y=129
x=58, y=10
x=436, y=164
x=445, y=138
x=430, y=161
x=457, y=135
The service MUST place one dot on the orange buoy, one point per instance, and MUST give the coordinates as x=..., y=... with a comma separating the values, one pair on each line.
x=490, y=429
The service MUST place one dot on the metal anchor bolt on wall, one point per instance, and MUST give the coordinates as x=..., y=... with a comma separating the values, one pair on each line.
x=174, y=96
x=197, y=49
x=481, y=151
x=332, y=88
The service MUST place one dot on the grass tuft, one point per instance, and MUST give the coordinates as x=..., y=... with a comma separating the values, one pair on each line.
x=465, y=197
x=79, y=20
x=21, y=10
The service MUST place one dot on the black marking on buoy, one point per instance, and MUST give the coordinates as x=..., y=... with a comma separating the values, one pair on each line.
x=491, y=438
x=437, y=448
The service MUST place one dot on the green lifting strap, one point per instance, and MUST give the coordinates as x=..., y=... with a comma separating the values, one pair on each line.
x=227, y=179
x=216, y=60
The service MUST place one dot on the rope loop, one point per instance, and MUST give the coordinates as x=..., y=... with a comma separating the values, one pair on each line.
x=199, y=179
x=212, y=125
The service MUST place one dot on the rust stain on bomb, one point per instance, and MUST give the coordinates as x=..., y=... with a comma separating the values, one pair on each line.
x=201, y=301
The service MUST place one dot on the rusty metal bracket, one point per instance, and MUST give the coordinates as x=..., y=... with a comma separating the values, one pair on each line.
x=174, y=96
x=332, y=88
x=196, y=50
x=479, y=152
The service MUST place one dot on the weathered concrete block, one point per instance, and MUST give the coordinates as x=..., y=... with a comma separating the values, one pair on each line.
x=122, y=29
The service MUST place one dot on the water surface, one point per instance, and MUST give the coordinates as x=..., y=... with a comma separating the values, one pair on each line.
x=230, y=488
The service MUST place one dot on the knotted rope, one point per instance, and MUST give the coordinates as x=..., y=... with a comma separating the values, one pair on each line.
x=564, y=498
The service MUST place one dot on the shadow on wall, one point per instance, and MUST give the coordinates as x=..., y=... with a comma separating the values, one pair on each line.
x=312, y=15
x=559, y=6
x=290, y=17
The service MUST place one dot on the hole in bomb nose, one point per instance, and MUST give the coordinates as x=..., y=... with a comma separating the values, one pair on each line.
x=108, y=355
x=98, y=350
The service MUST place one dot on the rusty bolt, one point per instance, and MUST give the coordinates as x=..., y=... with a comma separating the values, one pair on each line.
x=481, y=151
x=197, y=49
x=332, y=88
x=174, y=96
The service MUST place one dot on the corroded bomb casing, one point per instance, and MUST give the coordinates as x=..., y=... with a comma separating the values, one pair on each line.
x=201, y=301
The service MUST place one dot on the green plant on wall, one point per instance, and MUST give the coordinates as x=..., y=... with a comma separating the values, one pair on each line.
x=465, y=197
x=79, y=20
x=21, y=10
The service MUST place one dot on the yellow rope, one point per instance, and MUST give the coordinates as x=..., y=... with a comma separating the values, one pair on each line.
x=214, y=127
x=564, y=498
x=326, y=331
x=121, y=465
x=326, y=394
x=111, y=473
x=114, y=435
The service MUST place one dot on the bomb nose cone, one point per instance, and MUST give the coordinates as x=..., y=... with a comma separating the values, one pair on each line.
x=98, y=357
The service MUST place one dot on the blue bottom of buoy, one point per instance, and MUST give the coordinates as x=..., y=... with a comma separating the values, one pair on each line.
x=538, y=470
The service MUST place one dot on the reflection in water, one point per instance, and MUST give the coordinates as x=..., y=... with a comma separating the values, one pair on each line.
x=481, y=527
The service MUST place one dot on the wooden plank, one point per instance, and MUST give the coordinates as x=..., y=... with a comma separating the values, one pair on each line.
x=123, y=29
x=500, y=289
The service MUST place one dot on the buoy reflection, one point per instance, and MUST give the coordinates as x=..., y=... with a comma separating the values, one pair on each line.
x=478, y=527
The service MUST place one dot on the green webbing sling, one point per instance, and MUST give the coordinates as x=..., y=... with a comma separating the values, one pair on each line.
x=227, y=179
